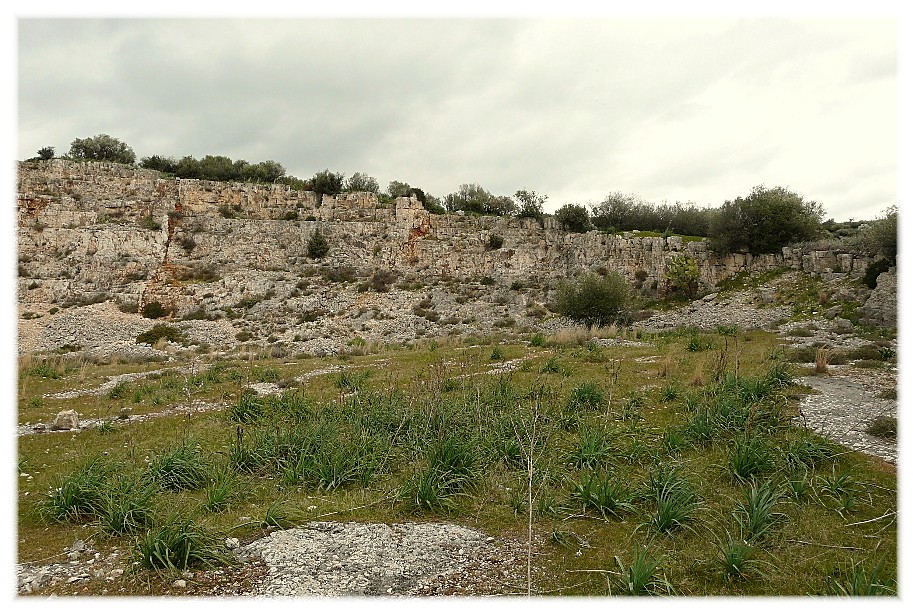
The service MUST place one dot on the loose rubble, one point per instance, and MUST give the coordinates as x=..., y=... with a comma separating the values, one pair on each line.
x=358, y=559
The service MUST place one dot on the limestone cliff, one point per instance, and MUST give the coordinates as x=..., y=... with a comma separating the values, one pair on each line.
x=86, y=228
x=92, y=232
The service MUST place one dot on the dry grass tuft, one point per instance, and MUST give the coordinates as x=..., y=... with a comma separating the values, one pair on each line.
x=822, y=355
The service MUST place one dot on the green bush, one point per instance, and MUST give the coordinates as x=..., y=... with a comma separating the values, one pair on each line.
x=102, y=148
x=381, y=280
x=531, y=204
x=148, y=223
x=495, y=241
x=151, y=337
x=79, y=494
x=874, y=270
x=180, y=543
x=682, y=277
x=318, y=246
x=182, y=468
x=764, y=221
x=361, y=182
x=880, y=237
x=574, y=218
x=595, y=301
x=153, y=310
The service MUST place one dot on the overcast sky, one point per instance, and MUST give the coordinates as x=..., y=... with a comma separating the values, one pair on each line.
x=672, y=109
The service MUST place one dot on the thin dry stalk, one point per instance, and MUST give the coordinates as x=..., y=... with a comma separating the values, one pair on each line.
x=528, y=443
x=613, y=370
x=698, y=378
x=822, y=356
x=666, y=366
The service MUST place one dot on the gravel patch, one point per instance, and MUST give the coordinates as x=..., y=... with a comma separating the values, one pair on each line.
x=192, y=407
x=108, y=385
x=82, y=563
x=740, y=309
x=99, y=330
x=359, y=559
x=844, y=409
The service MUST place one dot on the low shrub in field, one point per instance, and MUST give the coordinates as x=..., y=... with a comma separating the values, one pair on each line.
x=127, y=505
x=593, y=448
x=101, y=490
x=840, y=488
x=595, y=301
x=47, y=370
x=586, y=396
x=755, y=512
x=884, y=427
x=749, y=457
x=861, y=579
x=79, y=495
x=179, y=543
x=807, y=451
x=675, y=500
x=161, y=331
x=249, y=408
x=183, y=468
x=222, y=489
x=642, y=577
x=736, y=558
x=604, y=494
x=453, y=464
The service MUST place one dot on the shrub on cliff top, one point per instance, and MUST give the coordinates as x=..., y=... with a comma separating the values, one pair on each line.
x=326, y=182
x=764, y=221
x=361, y=182
x=574, y=218
x=102, y=148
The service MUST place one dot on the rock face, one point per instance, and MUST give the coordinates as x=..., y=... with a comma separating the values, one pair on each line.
x=881, y=309
x=94, y=227
x=97, y=232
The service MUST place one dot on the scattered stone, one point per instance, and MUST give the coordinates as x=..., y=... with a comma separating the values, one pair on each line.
x=843, y=326
x=66, y=420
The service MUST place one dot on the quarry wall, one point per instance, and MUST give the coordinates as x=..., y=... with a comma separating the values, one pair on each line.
x=86, y=228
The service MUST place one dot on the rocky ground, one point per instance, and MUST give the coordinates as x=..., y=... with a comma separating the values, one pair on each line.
x=356, y=559
x=322, y=559
x=419, y=559
x=845, y=404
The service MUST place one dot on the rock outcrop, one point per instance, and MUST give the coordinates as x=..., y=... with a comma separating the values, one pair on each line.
x=98, y=232
x=881, y=308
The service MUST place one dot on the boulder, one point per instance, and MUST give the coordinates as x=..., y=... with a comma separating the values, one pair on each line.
x=66, y=420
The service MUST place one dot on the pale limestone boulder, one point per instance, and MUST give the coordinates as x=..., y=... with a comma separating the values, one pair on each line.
x=66, y=420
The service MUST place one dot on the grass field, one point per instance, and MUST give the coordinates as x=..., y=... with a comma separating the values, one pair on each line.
x=671, y=466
